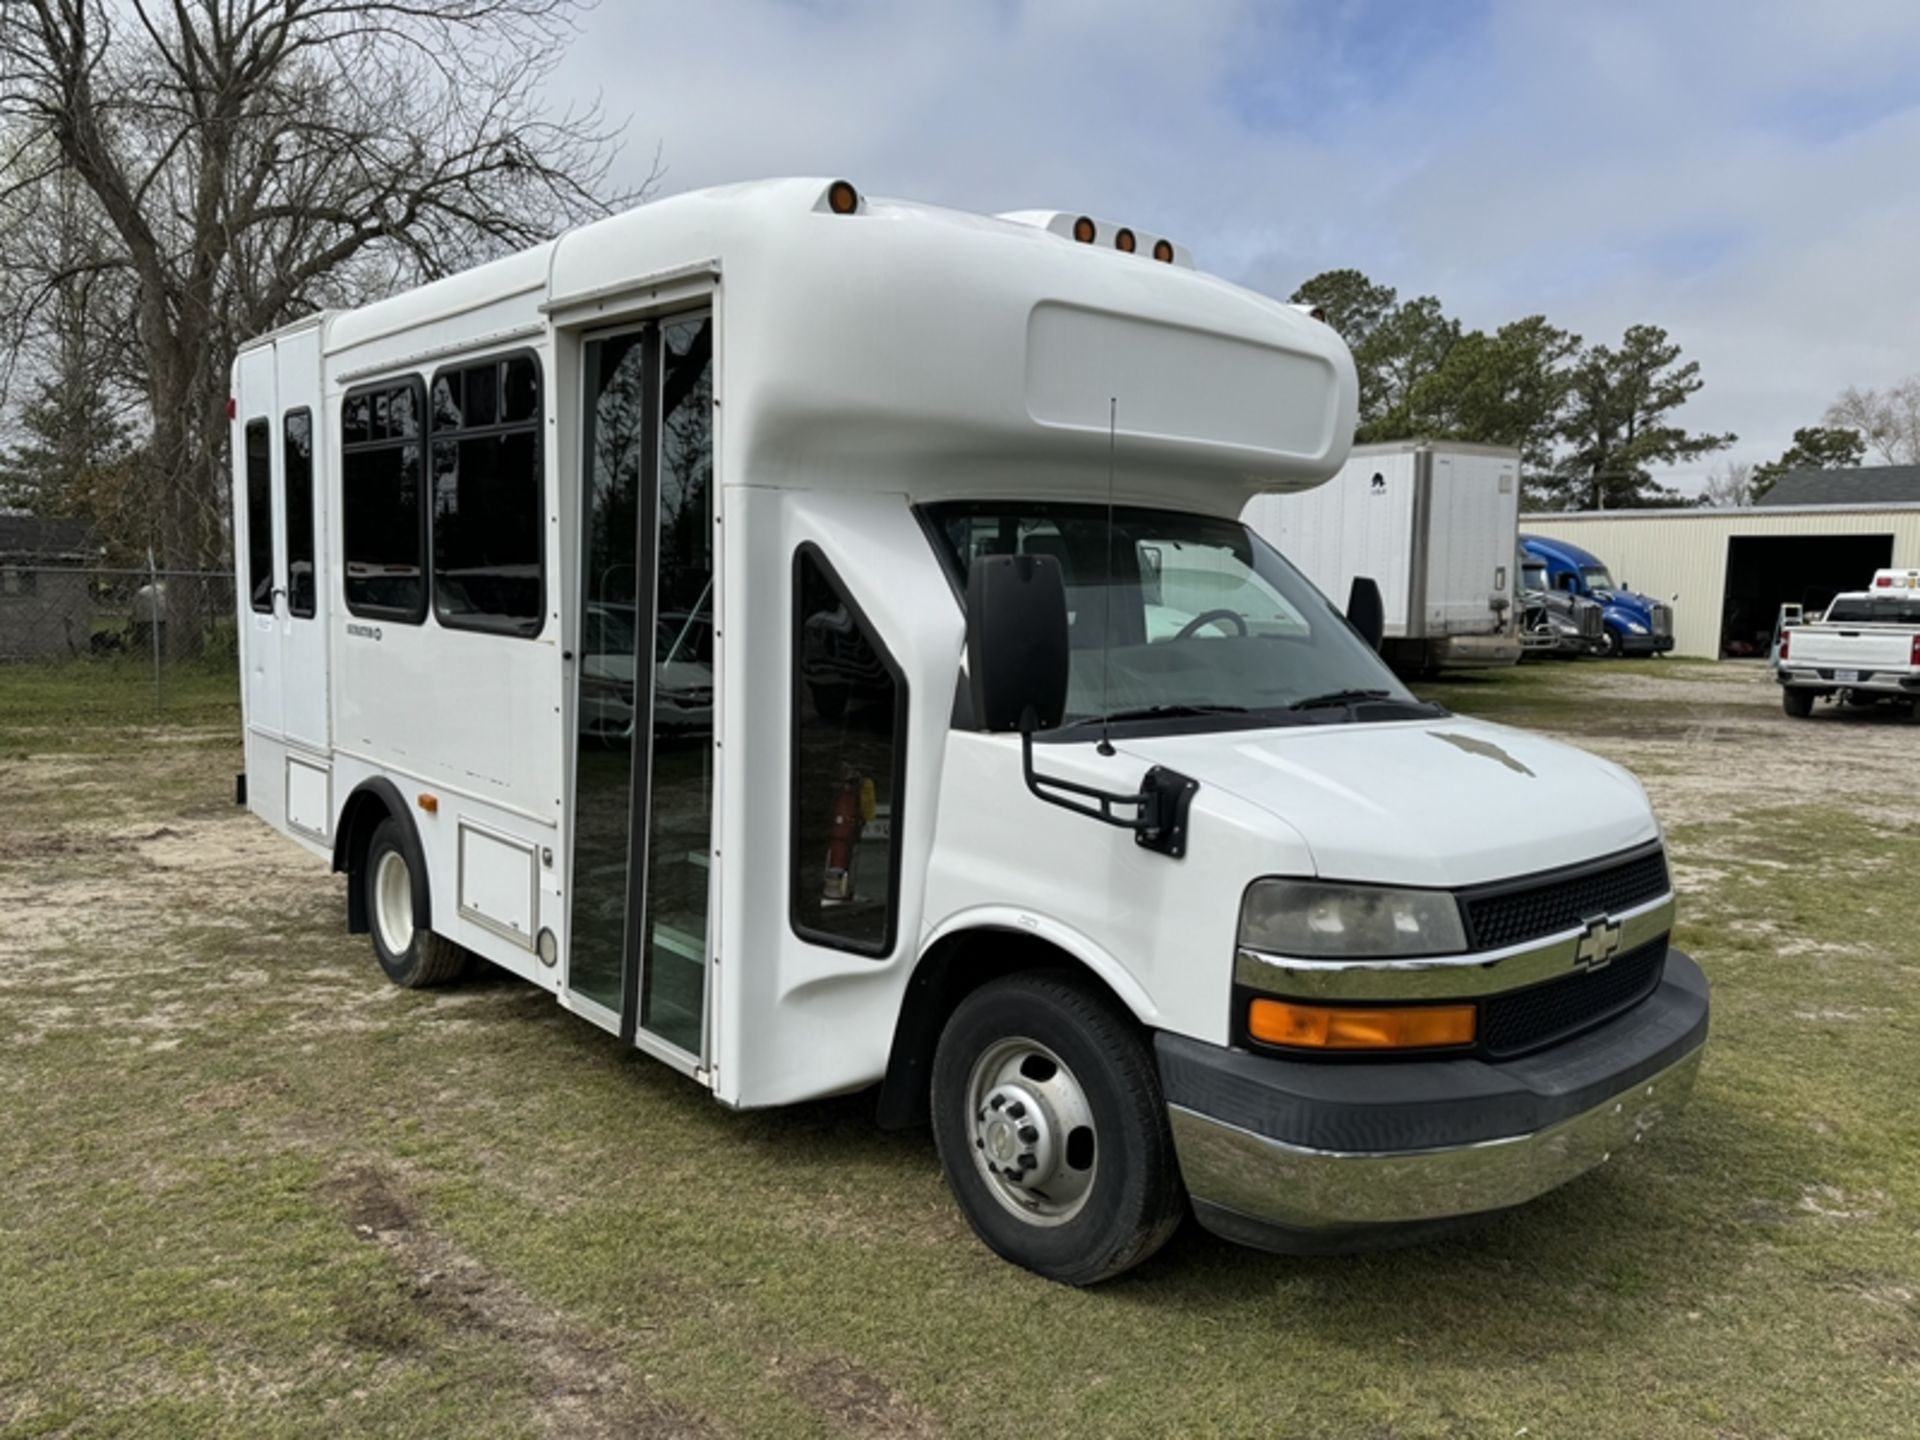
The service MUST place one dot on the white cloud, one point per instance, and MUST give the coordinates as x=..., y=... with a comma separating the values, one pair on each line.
x=1739, y=171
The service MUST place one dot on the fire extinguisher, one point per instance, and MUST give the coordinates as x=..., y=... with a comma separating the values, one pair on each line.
x=853, y=807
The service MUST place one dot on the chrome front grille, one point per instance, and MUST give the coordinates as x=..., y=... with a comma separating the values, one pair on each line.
x=1663, y=620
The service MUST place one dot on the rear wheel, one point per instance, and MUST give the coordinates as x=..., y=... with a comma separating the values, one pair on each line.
x=411, y=956
x=1797, y=703
x=1052, y=1131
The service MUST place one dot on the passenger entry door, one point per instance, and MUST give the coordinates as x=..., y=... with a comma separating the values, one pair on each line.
x=638, y=950
x=257, y=540
x=300, y=499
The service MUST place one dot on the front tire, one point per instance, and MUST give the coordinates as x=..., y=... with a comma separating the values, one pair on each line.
x=1609, y=645
x=412, y=957
x=1052, y=1130
x=1797, y=703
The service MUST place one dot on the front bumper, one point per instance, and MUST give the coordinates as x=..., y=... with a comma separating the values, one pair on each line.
x=1645, y=644
x=1307, y=1156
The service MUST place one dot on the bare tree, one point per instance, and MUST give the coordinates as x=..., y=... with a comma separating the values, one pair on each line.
x=1889, y=419
x=250, y=160
x=1729, y=486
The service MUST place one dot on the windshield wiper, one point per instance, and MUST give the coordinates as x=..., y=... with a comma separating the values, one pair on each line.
x=1350, y=700
x=1158, y=712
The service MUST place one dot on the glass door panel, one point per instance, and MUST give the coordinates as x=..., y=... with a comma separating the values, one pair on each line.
x=608, y=742
x=680, y=789
x=643, y=790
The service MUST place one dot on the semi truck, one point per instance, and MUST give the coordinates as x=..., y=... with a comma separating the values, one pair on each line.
x=812, y=638
x=1434, y=524
x=1631, y=624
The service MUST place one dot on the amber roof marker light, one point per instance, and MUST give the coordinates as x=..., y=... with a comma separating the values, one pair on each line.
x=1163, y=251
x=1084, y=230
x=1123, y=240
x=842, y=198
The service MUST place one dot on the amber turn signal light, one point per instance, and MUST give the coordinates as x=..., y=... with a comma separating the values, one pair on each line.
x=1326, y=1027
x=842, y=198
x=1084, y=230
x=1163, y=251
x=1123, y=240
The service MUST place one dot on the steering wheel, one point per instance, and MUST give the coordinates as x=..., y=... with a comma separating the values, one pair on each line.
x=1211, y=617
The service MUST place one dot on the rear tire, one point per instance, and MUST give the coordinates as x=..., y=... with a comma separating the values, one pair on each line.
x=1797, y=703
x=1052, y=1130
x=412, y=957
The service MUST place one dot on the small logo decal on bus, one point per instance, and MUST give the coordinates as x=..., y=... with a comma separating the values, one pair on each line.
x=367, y=632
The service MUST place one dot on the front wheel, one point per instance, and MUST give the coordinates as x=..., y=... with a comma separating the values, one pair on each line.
x=1797, y=703
x=1052, y=1131
x=411, y=956
x=1608, y=646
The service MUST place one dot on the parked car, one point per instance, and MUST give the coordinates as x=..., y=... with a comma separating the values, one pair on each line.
x=682, y=672
x=1632, y=624
x=1864, y=651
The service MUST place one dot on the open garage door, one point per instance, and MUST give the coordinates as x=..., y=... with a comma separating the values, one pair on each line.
x=1765, y=572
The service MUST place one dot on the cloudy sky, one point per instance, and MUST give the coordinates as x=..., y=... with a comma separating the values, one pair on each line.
x=1744, y=172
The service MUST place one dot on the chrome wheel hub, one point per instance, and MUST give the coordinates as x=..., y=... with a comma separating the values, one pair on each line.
x=1032, y=1131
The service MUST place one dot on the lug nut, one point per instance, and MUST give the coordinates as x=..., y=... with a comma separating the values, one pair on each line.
x=1016, y=1109
x=998, y=1101
x=1029, y=1134
x=1028, y=1161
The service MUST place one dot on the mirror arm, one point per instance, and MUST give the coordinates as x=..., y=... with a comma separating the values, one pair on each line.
x=1159, y=820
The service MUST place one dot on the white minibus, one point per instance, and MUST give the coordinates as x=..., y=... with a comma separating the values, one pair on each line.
x=814, y=638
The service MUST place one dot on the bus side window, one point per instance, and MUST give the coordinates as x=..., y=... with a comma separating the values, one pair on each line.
x=296, y=472
x=259, y=517
x=382, y=502
x=849, y=768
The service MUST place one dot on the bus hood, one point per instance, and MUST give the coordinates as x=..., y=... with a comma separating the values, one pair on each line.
x=1443, y=802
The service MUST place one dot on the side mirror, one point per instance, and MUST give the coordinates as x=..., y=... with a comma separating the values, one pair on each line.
x=1366, y=611
x=1017, y=658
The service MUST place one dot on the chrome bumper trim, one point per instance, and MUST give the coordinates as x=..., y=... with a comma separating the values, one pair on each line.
x=1441, y=977
x=1301, y=1189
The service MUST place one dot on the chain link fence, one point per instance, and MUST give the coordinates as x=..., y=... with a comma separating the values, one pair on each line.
x=76, y=640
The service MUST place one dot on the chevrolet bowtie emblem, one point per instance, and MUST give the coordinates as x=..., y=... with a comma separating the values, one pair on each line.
x=1599, y=943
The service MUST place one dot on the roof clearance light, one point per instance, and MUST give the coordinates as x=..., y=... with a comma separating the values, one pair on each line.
x=842, y=198
x=1084, y=230
x=1123, y=240
x=1163, y=251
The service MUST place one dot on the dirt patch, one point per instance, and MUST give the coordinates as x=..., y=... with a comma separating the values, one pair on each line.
x=857, y=1401
x=582, y=1389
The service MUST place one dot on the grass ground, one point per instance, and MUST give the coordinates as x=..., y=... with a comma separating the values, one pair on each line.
x=248, y=1189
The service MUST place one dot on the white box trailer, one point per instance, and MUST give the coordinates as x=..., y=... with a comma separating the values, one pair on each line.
x=1436, y=525
x=813, y=637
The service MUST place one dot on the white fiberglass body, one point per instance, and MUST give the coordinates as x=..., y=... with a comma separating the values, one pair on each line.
x=781, y=403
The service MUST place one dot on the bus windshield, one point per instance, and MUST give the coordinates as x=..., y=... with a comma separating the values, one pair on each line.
x=1200, y=618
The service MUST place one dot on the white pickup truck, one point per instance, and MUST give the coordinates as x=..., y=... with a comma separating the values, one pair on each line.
x=1865, y=649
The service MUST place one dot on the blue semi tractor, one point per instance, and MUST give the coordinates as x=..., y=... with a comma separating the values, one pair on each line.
x=1632, y=624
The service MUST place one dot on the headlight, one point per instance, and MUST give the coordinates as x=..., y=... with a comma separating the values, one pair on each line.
x=1347, y=922
x=1636, y=627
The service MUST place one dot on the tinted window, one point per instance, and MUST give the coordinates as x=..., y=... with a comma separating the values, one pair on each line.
x=1874, y=612
x=488, y=499
x=381, y=503
x=849, y=753
x=296, y=460
x=259, y=517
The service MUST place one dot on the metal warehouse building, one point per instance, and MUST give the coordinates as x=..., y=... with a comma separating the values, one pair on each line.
x=1727, y=572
